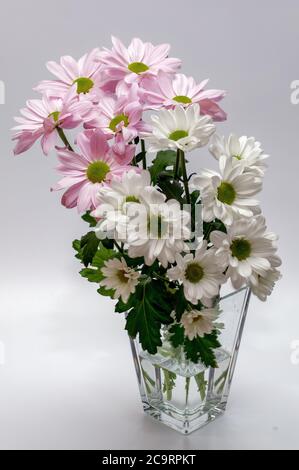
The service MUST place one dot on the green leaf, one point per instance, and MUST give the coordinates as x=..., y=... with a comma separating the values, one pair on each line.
x=201, y=384
x=89, y=219
x=107, y=243
x=93, y=275
x=202, y=349
x=134, y=262
x=209, y=227
x=151, y=308
x=177, y=335
x=194, y=197
x=139, y=157
x=163, y=160
x=122, y=307
x=181, y=303
x=89, y=245
x=77, y=247
x=169, y=383
x=172, y=190
x=103, y=254
x=106, y=292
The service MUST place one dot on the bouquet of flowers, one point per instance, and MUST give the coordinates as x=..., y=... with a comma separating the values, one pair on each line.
x=161, y=241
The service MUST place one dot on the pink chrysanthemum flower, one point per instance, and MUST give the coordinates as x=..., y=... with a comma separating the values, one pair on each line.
x=140, y=59
x=86, y=172
x=119, y=115
x=169, y=91
x=84, y=73
x=41, y=118
x=122, y=152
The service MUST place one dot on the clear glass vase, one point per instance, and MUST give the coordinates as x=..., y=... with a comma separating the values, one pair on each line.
x=185, y=395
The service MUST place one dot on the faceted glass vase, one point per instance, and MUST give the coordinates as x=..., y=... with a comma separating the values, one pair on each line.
x=185, y=395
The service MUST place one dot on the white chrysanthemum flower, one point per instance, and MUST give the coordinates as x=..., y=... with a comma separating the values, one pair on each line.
x=179, y=128
x=244, y=151
x=156, y=229
x=201, y=274
x=263, y=286
x=113, y=200
x=128, y=189
x=227, y=194
x=120, y=277
x=198, y=322
x=247, y=249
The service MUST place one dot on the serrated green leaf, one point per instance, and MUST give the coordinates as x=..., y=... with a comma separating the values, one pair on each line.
x=106, y=292
x=181, y=303
x=122, y=307
x=177, y=335
x=103, y=254
x=169, y=383
x=77, y=247
x=163, y=160
x=93, y=275
x=151, y=308
x=89, y=219
x=89, y=245
x=201, y=384
x=202, y=349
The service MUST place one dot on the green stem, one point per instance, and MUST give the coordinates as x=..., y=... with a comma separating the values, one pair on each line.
x=187, y=388
x=185, y=176
x=64, y=138
x=120, y=249
x=147, y=381
x=160, y=277
x=169, y=383
x=221, y=381
x=143, y=154
x=177, y=165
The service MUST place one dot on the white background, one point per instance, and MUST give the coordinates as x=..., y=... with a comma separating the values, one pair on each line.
x=67, y=378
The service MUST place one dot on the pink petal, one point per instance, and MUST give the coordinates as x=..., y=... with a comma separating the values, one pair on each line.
x=98, y=144
x=25, y=141
x=69, y=198
x=48, y=141
x=84, y=197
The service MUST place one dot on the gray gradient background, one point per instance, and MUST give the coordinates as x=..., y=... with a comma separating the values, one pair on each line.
x=68, y=379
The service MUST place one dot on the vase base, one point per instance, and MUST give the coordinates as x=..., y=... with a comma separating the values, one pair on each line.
x=184, y=426
x=184, y=395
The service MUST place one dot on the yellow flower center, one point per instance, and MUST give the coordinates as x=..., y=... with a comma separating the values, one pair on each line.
x=240, y=248
x=177, y=135
x=182, y=99
x=97, y=171
x=194, y=273
x=138, y=67
x=54, y=115
x=117, y=120
x=84, y=84
x=226, y=193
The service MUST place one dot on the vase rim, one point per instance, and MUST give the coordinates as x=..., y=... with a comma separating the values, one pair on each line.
x=230, y=294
